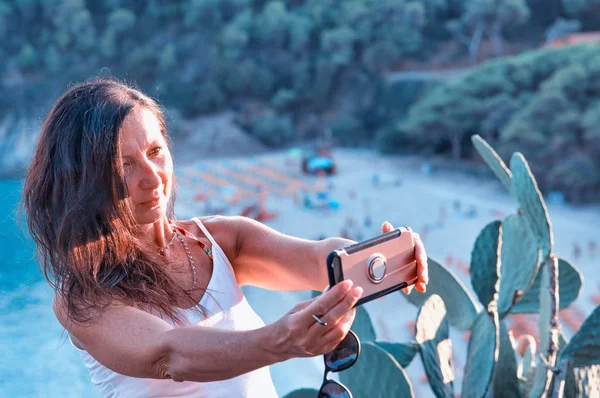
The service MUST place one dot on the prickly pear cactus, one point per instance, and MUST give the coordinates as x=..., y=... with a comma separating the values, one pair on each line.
x=362, y=325
x=402, y=352
x=506, y=383
x=493, y=160
x=303, y=393
x=570, y=282
x=435, y=347
x=482, y=355
x=376, y=374
x=548, y=332
x=531, y=203
x=445, y=284
x=520, y=261
x=526, y=369
x=513, y=270
x=485, y=263
x=580, y=361
x=584, y=348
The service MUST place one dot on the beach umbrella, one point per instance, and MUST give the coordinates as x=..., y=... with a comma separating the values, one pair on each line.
x=320, y=163
x=334, y=204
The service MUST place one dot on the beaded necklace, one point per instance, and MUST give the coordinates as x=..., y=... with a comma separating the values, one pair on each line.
x=187, y=234
x=181, y=233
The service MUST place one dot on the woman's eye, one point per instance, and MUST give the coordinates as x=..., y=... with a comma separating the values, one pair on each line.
x=156, y=151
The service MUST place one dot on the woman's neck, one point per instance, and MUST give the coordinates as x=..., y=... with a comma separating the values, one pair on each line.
x=158, y=233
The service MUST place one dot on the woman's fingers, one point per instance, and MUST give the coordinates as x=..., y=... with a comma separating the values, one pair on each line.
x=420, y=256
x=332, y=337
x=386, y=227
x=322, y=304
x=339, y=310
x=300, y=306
x=408, y=289
x=422, y=268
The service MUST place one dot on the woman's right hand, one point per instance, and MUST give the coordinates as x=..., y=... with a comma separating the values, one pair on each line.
x=297, y=334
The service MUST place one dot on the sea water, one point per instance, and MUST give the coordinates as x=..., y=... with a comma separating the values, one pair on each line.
x=36, y=359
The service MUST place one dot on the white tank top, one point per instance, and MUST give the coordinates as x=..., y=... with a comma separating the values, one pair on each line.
x=226, y=308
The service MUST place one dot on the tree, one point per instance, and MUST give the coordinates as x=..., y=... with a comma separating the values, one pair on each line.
x=444, y=115
x=271, y=25
x=591, y=126
x=338, y=45
x=573, y=7
x=273, y=129
x=487, y=17
x=543, y=103
x=235, y=35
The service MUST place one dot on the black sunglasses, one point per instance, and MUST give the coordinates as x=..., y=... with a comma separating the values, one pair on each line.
x=341, y=358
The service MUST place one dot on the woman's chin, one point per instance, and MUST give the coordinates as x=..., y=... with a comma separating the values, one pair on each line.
x=150, y=216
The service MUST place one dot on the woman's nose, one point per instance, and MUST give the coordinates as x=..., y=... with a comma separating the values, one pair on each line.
x=150, y=176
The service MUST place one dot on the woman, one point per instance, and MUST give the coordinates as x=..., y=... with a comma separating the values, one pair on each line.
x=149, y=300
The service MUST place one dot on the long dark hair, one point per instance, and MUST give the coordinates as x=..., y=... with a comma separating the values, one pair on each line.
x=77, y=209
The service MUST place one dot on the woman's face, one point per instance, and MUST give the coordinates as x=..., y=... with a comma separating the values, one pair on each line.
x=147, y=165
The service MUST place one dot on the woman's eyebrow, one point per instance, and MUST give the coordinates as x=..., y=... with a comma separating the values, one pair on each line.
x=153, y=143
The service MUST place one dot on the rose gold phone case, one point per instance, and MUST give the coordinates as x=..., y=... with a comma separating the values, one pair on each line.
x=380, y=265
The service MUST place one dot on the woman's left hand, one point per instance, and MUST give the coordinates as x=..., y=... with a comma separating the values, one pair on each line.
x=421, y=258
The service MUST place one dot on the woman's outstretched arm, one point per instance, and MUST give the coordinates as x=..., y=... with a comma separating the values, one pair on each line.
x=273, y=260
x=137, y=344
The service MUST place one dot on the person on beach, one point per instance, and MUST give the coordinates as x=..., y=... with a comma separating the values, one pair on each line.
x=153, y=304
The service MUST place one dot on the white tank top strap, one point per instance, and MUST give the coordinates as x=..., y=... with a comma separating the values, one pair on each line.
x=215, y=246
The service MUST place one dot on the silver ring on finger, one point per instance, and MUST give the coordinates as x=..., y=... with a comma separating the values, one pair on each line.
x=319, y=321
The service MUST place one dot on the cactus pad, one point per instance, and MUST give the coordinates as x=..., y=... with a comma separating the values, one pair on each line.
x=493, y=160
x=303, y=393
x=376, y=374
x=402, y=352
x=570, y=282
x=431, y=332
x=584, y=348
x=485, y=263
x=531, y=202
x=543, y=375
x=362, y=325
x=520, y=261
x=506, y=384
x=482, y=355
x=461, y=306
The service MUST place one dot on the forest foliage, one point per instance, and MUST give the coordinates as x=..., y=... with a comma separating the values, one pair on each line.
x=290, y=69
x=546, y=103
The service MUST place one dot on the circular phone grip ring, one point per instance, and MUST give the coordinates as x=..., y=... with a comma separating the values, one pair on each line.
x=376, y=267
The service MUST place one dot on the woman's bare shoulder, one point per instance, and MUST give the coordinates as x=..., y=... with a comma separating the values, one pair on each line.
x=214, y=224
x=60, y=307
x=224, y=230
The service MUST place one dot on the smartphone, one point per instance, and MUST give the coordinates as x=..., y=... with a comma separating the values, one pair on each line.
x=380, y=265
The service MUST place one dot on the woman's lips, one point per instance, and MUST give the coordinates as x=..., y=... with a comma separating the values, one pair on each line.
x=151, y=202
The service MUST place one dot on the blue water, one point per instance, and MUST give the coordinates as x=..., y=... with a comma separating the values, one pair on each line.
x=35, y=359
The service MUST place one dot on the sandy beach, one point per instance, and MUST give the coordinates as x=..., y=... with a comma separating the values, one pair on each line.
x=447, y=209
